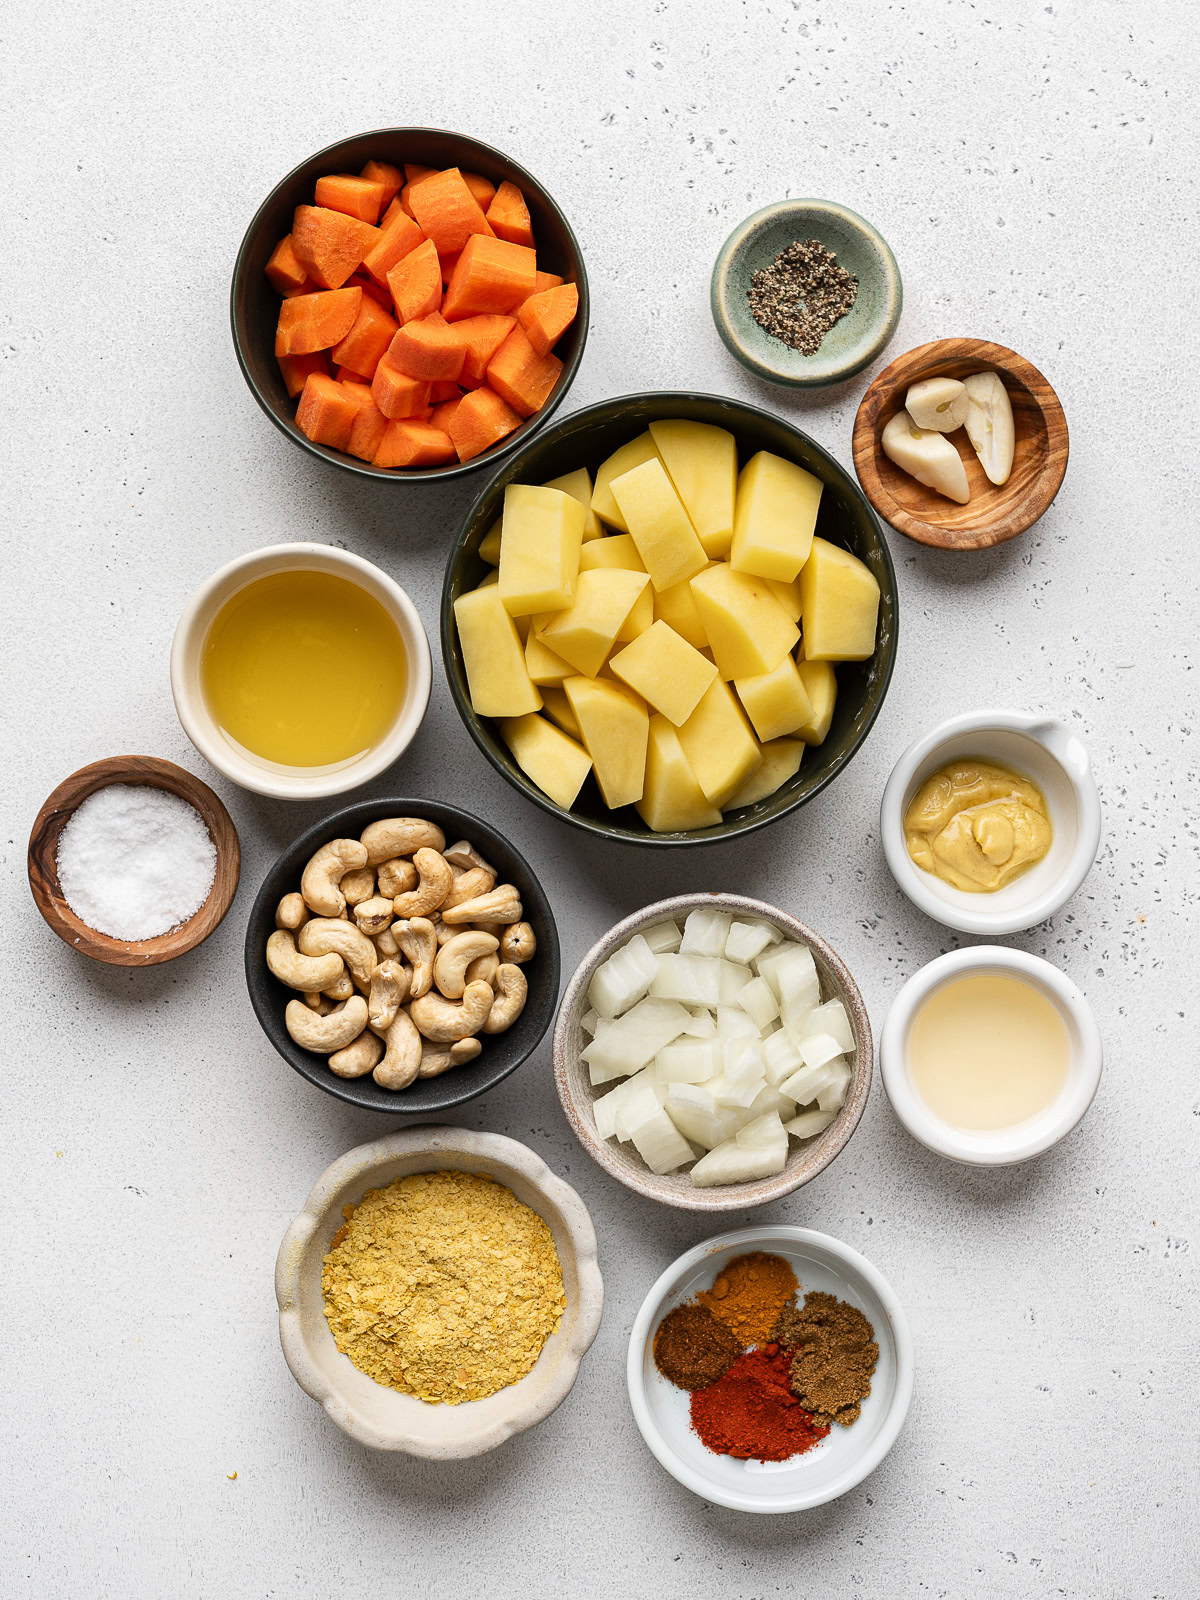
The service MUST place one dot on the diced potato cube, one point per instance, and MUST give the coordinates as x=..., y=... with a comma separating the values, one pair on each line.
x=839, y=598
x=788, y=595
x=781, y=761
x=489, y=545
x=619, y=550
x=585, y=632
x=776, y=514
x=748, y=630
x=702, y=463
x=623, y=460
x=541, y=663
x=666, y=671
x=546, y=755
x=492, y=577
x=676, y=606
x=776, y=702
x=820, y=684
x=539, y=549
x=614, y=727
x=718, y=744
x=493, y=658
x=654, y=515
x=672, y=800
x=578, y=485
x=558, y=708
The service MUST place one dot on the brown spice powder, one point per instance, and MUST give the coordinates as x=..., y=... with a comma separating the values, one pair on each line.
x=692, y=1348
x=833, y=1356
x=749, y=1295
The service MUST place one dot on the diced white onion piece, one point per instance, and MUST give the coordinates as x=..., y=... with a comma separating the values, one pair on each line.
x=640, y=1099
x=804, y=1086
x=588, y=1022
x=833, y=1095
x=757, y=1000
x=734, y=1163
x=734, y=1023
x=705, y=933
x=746, y=940
x=688, y=1061
x=660, y=1144
x=604, y=1109
x=795, y=1013
x=701, y=1026
x=698, y=1117
x=636, y=1038
x=831, y=1018
x=738, y=1093
x=663, y=936
x=792, y=974
x=743, y=1063
x=624, y=978
x=809, y=1123
x=781, y=1057
x=818, y=1048
x=693, y=980
x=733, y=980
x=769, y=1099
x=764, y=1133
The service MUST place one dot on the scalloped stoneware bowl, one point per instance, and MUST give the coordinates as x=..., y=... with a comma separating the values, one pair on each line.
x=855, y=340
x=621, y=1161
x=254, y=305
x=383, y=1418
x=585, y=439
x=841, y=1460
x=503, y=1053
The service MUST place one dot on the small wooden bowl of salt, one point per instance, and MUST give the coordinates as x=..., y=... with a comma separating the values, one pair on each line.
x=141, y=847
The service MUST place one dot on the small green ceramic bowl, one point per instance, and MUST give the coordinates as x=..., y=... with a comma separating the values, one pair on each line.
x=854, y=341
x=254, y=305
x=585, y=439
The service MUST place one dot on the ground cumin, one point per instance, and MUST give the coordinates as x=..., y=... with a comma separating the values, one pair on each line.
x=692, y=1348
x=443, y=1285
x=833, y=1356
x=749, y=1295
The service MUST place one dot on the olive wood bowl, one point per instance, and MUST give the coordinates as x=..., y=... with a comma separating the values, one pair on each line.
x=994, y=512
x=43, y=863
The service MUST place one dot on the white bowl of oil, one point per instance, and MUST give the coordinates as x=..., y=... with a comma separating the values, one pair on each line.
x=990, y=1055
x=300, y=671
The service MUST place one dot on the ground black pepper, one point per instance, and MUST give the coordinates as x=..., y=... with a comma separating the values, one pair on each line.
x=800, y=296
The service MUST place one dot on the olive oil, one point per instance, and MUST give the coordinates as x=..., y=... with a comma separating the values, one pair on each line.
x=988, y=1051
x=305, y=669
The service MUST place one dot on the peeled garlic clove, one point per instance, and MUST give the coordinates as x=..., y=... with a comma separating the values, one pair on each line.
x=989, y=424
x=937, y=403
x=927, y=456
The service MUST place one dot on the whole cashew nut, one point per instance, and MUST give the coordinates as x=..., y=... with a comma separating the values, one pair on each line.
x=341, y=990
x=469, y=885
x=326, y=1034
x=323, y=934
x=483, y=968
x=374, y=915
x=444, y=1021
x=501, y=905
x=402, y=1055
x=400, y=836
x=385, y=944
x=454, y=957
x=358, y=1058
x=442, y=930
x=511, y=990
x=437, y=877
x=518, y=942
x=312, y=972
x=418, y=941
x=321, y=877
x=358, y=885
x=397, y=877
x=439, y=1058
x=319, y=1003
x=465, y=856
x=389, y=989
x=291, y=912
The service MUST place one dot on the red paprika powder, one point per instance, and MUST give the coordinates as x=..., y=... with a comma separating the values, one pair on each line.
x=751, y=1412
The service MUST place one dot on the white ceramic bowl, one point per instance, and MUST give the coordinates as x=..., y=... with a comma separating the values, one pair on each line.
x=841, y=1460
x=805, y=1159
x=1040, y=748
x=998, y=1146
x=269, y=777
x=384, y=1418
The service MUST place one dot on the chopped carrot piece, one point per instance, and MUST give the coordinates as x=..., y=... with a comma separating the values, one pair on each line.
x=381, y=296
x=545, y=280
x=416, y=283
x=397, y=238
x=520, y=376
x=391, y=178
x=370, y=336
x=447, y=211
x=414, y=444
x=310, y=322
x=284, y=268
x=491, y=276
x=414, y=174
x=483, y=190
x=330, y=244
x=326, y=412
x=546, y=316
x=396, y=393
x=348, y=375
x=443, y=389
x=295, y=369
x=508, y=215
x=483, y=335
x=448, y=264
x=354, y=197
x=428, y=348
x=370, y=424
x=307, y=287
x=441, y=413
x=394, y=210
x=481, y=420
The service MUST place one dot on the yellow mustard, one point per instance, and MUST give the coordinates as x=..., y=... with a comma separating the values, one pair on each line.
x=977, y=826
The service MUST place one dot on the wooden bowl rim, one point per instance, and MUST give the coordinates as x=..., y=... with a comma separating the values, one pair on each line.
x=867, y=448
x=42, y=866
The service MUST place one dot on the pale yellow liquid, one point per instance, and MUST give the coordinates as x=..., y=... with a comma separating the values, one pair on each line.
x=304, y=668
x=988, y=1051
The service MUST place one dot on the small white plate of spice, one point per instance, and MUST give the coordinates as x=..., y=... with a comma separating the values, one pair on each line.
x=770, y=1369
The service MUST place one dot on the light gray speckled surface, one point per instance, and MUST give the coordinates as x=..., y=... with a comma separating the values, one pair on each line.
x=1033, y=167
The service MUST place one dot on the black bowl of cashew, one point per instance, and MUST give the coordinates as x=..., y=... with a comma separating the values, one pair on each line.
x=402, y=956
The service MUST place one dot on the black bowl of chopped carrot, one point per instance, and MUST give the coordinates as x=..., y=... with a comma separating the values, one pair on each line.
x=409, y=303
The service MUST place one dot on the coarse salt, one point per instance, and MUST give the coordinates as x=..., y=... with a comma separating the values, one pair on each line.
x=135, y=861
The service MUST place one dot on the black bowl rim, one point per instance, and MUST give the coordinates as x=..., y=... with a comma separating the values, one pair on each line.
x=719, y=833
x=452, y=469
x=331, y=827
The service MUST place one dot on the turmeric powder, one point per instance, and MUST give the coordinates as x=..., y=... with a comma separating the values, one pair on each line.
x=748, y=1295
